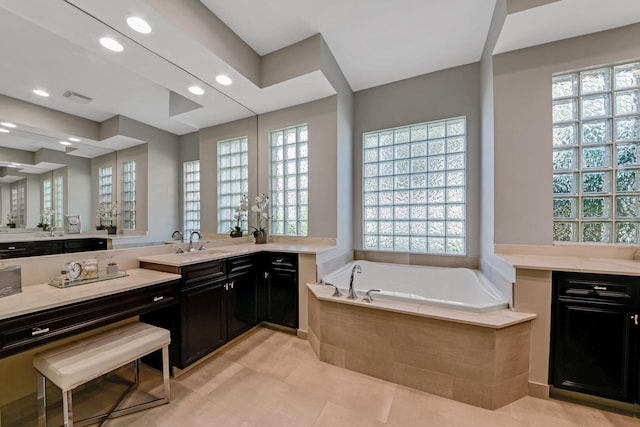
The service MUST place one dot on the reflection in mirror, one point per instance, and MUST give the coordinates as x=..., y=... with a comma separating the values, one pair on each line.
x=99, y=103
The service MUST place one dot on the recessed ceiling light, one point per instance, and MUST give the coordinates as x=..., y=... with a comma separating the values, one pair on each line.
x=223, y=80
x=111, y=44
x=65, y=143
x=74, y=139
x=196, y=90
x=3, y=130
x=139, y=24
x=7, y=124
x=41, y=92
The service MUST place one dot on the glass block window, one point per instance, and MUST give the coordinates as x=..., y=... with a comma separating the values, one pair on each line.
x=191, y=191
x=47, y=194
x=233, y=180
x=596, y=155
x=58, y=184
x=414, y=188
x=290, y=181
x=129, y=195
x=105, y=185
x=18, y=202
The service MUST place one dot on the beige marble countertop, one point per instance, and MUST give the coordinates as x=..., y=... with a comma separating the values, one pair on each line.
x=220, y=252
x=581, y=264
x=495, y=319
x=43, y=296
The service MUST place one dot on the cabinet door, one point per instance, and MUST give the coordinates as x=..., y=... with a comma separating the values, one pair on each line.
x=282, y=297
x=242, y=303
x=203, y=320
x=594, y=350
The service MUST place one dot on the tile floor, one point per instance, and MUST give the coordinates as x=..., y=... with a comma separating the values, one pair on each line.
x=274, y=379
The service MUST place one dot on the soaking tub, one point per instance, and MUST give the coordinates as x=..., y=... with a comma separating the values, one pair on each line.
x=455, y=288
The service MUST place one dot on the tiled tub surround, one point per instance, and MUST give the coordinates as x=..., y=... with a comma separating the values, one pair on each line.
x=456, y=288
x=476, y=358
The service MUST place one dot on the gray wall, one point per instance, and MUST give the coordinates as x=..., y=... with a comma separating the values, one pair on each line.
x=523, y=128
x=443, y=94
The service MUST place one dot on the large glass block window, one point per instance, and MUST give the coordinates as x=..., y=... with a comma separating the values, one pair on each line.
x=47, y=194
x=191, y=191
x=596, y=155
x=414, y=188
x=290, y=181
x=105, y=185
x=233, y=180
x=18, y=202
x=58, y=184
x=129, y=195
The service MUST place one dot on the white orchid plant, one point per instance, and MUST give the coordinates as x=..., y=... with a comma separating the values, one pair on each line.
x=107, y=212
x=12, y=217
x=240, y=211
x=261, y=210
x=46, y=216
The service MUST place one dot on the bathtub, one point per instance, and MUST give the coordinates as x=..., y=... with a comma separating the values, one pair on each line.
x=454, y=288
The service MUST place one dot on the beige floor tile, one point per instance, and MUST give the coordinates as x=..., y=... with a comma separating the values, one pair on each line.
x=415, y=408
x=337, y=416
x=360, y=393
x=265, y=401
x=208, y=376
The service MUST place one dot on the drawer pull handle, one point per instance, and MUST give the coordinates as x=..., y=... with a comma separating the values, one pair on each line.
x=635, y=319
x=12, y=248
x=600, y=288
x=156, y=299
x=39, y=331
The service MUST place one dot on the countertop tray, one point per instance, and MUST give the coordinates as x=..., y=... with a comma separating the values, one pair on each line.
x=66, y=283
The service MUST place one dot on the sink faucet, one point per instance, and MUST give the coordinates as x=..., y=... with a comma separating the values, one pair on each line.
x=173, y=236
x=352, y=292
x=51, y=230
x=191, y=248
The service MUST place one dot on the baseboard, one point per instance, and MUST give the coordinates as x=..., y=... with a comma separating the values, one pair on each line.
x=538, y=390
x=596, y=401
x=302, y=334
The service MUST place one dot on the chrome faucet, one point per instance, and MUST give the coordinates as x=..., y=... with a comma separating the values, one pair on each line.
x=352, y=292
x=173, y=236
x=191, y=248
x=52, y=229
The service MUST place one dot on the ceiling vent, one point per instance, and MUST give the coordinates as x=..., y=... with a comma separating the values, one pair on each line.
x=78, y=97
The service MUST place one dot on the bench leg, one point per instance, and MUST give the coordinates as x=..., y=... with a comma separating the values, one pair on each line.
x=42, y=399
x=67, y=408
x=165, y=372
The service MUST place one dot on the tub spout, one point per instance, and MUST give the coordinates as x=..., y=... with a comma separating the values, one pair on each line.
x=352, y=292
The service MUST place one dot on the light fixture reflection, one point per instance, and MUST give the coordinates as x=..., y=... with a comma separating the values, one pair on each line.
x=3, y=130
x=7, y=124
x=139, y=25
x=111, y=44
x=41, y=92
x=65, y=143
x=74, y=139
x=196, y=90
x=223, y=80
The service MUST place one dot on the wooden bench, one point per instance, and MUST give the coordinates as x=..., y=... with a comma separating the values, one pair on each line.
x=76, y=363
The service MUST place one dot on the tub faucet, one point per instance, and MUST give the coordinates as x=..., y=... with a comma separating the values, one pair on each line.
x=352, y=293
x=191, y=248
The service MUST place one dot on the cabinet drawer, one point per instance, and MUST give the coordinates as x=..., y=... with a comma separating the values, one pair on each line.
x=24, y=332
x=282, y=261
x=204, y=272
x=240, y=264
x=598, y=287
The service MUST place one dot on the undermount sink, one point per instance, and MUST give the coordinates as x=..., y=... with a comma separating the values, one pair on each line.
x=205, y=253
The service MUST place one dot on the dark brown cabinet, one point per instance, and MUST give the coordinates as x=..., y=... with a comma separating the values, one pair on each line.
x=50, y=247
x=281, y=289
x=595, y=334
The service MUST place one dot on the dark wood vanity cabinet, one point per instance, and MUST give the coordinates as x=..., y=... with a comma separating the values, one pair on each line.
x=218, y=302
x=21, y=333
x=281, y=289
x=50, y=247
x=595, y=334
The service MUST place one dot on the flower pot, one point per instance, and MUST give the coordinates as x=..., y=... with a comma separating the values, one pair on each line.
x=261, y=237
x=112, y=229
x=236, y=233
x=12, y=225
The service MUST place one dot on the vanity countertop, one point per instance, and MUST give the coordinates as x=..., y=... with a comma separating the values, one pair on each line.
x=43, y=296
x=221, y=252
x=583, y=264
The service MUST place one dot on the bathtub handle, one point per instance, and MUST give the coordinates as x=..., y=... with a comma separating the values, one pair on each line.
x=368, y=297
x=336, y=292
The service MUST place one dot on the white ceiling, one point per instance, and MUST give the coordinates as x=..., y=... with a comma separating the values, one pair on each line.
x=53, y=44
